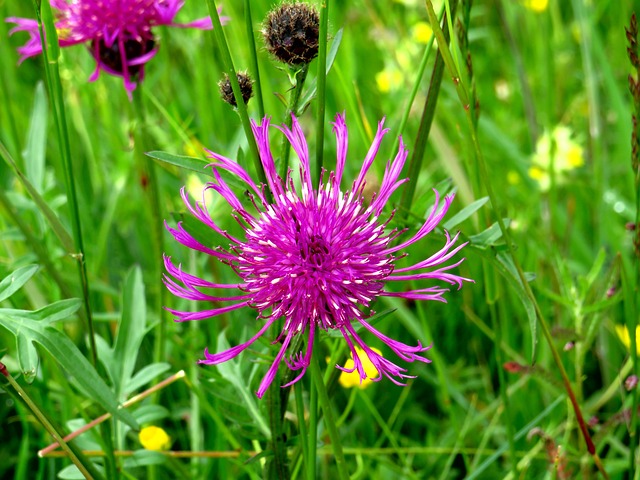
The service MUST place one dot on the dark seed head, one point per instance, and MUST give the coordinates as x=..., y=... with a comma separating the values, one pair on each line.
x=291, y=33
x=112, y=59
x=246, y=87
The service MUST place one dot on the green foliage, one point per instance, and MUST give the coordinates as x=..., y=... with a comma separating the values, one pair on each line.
x=475, y=411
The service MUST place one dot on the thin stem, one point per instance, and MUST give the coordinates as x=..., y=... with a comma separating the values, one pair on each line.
x=313, y=433
x=486, y=181
x=254, y=57
x=299, y=78
x=322, y=84
x=149, y=182
x=490, y=277
x=221, y=40
x=302, y=425
x=83, y=464
x=52, y=71
x=415, y=164
x=329, y=419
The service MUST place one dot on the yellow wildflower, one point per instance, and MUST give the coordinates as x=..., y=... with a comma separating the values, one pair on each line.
x=388, y=79
x=623, y=334
x=350, y=380
x=537, y=6
x=422, y=32
x=557, y=148
x=154, y=438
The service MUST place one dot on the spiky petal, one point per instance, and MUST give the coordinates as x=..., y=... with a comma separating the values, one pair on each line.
x=317, y=258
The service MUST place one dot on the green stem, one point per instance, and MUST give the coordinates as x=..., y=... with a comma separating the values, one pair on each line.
x=313, y=432
x=322, y=84
x=415, y=164
x=149, y=184
x=490, y=278
x=223, y=45
x=52, y=71
x=486, y=181
x=254, y=57
x=82, y=463
x=299, y=77
x=329, y=419
x=302, y=425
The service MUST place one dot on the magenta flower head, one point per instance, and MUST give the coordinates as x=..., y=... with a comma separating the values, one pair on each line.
x=118, y=32
x=318, y=258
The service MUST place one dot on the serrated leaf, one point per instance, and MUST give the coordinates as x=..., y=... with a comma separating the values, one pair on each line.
x=14, y=281
x=465, y=213
x=62, y=350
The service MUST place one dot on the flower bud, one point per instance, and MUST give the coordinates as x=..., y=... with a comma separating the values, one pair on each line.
x=291, y=33
x=246, y=88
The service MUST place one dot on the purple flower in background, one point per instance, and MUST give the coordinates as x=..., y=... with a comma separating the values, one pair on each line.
x=118, y=32
x=317, y=258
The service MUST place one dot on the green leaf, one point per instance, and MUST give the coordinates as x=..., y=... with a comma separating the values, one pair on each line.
x=62, y=350
x=53, y=220
x=36, y=139
x=150, y=414
x=312, y=89
x=142, y=458
x=131, y=330
x=182, y=161
x=231, y=371
x=144, y=376
x=14, y=281
x=27, y=357
x=490, y=236
x=71, y=472
x=465, y=213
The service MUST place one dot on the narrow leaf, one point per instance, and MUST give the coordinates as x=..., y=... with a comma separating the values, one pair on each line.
x=182, y=161
x=36, y=139
x=465, y=213
x=14, y=281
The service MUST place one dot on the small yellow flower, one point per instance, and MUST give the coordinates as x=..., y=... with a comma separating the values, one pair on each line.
x=388, y=80
x=350, y=380
x=422, y=32
x=537, y=6
x=559, y=149
x=623, y=334
x=154, y=438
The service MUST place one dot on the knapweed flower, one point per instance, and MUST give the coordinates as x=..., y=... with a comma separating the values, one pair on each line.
x=557, y=150
x=118, y=32
x=317, y=258
x=154, y=438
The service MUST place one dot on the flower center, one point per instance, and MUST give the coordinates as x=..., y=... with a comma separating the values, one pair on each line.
x=315, y=261
x=112, y=58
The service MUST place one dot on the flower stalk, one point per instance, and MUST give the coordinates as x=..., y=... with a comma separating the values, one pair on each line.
x=51, y=54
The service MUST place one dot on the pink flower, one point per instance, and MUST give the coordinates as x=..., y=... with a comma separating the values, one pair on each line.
x=315, y=258
x=118, y=32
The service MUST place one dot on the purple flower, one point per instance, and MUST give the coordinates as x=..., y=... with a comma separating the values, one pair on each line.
x=118, y=32
x=317, y=258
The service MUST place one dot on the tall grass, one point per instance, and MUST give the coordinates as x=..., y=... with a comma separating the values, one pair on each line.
x=554, y=264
